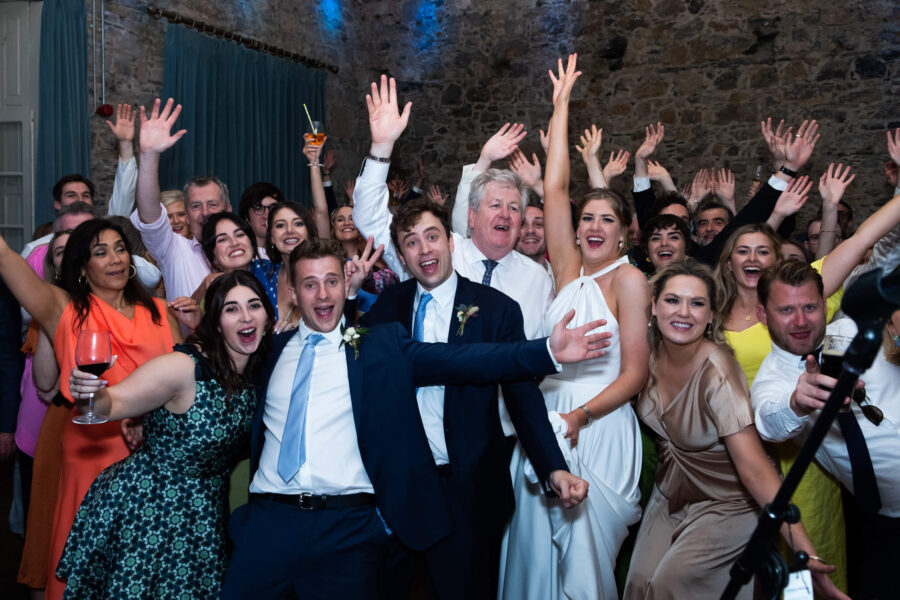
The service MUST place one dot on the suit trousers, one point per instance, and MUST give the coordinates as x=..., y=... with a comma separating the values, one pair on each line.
x=463, y=565
x=281, y=551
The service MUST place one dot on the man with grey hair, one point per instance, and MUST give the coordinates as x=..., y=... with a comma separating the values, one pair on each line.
x=182, y=261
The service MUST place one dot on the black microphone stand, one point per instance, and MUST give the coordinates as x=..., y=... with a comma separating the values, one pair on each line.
x=869, y=302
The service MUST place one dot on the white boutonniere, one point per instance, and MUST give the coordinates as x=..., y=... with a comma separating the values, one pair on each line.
x=463, y=314
x=352, y=336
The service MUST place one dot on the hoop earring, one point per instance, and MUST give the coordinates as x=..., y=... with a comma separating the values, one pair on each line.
x=82, y=280
x=133, y=272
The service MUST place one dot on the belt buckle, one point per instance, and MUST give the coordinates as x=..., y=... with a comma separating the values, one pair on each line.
x=305, y=501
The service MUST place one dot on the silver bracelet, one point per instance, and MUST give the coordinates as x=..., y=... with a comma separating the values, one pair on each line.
x=587, y=413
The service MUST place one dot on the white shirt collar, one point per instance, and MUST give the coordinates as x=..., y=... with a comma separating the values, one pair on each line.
x=333, y=336
x=442, y=294
x=788, y=359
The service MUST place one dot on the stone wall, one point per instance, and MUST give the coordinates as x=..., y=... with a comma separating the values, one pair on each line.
x=709, y=70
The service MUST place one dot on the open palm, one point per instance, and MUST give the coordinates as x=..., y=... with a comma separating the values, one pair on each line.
x=156, y=133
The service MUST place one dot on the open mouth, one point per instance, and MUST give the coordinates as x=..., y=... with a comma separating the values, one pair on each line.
x=324, y=312
x=248, y=335
x=291, y=241
x=665, y=255
x=681, y=325
x=503, y=228
x=429, y=266
x=752, y=273
x=236, y=253
x=594, y=241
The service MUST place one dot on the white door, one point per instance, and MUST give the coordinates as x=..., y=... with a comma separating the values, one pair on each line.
x=20, y=27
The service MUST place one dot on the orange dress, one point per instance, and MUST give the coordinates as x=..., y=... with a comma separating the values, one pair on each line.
x=88, y=449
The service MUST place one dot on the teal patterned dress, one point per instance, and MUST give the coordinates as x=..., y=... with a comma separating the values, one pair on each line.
x=153, y=525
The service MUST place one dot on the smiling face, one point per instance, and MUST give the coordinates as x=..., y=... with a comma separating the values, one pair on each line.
x=74, y=191
x=665, y=246
x=318, y=289
x=683, y=309
x=288, y=230
x=108, y=267
x=709, y=223
x=531, y=239
x=752, y=253
x=178, y=219
x=242, y=322
x=600, y=232
x=203, y=201
x=495, y=225
x=233, y=248
x=795, y=316
x=258, y=217
x=344, y=229
x=426, y=251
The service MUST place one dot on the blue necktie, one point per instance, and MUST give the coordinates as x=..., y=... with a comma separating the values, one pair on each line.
x=489, y=266
x=293, y=440
x=419, y=325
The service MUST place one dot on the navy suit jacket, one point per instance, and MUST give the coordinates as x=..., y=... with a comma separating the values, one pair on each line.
x=479, y=452
x=391, y=438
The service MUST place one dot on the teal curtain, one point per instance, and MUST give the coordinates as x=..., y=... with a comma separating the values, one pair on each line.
x=64, y=132
x=243, y=111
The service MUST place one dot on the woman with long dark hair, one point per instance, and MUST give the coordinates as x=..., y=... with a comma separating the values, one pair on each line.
x=154, y=523
x=99, y=291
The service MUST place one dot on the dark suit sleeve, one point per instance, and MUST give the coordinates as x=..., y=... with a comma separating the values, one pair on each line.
x=12, y=361
x=643, y=204
x=330, y=202
x=526, y=407
x=481, y=363
x=757, y=210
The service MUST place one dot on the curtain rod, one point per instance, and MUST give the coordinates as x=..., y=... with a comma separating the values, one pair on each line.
x=208, y=29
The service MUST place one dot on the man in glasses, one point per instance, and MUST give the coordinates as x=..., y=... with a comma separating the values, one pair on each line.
x=256, y=201
x=862, y=447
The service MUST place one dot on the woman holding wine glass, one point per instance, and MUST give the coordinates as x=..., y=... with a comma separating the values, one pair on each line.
x=99, y=291
x=153, y=525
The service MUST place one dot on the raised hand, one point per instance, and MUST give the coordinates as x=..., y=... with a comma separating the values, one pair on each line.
x=386, y=122
x=545, y=138
x=530, y=172
x=328, y=161
x=349, y=186
x=500, y=145
x=799, y=148
x=893, y=144
x=435, y=195
x=776, y=140
x=398, y=188
x=312, y=152
x=833, y=183
x=156, y=136
x=653, y=136
x=701, y=186
x=794, y=197
x=187, y=311
x=358, y=267
x=123, y=128
x=657, y=172
x=616, y=165
x=564, y=79
x=591, y=140
x=724, y=188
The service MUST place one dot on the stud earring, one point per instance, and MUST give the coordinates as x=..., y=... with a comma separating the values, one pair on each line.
x=577, y=241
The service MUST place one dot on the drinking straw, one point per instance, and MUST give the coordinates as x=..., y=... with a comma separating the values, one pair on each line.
x=315, y=132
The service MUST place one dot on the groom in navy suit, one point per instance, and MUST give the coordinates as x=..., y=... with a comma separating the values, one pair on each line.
x=340, y=462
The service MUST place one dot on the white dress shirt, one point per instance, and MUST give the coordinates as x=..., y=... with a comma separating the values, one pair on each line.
x=181, y=261
x=775, y=421
x=430, y=399
x=333, y=463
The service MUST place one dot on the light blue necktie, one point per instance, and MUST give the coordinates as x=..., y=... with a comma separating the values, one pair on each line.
x=419, y=326
x=293, y=440
x=489, y=266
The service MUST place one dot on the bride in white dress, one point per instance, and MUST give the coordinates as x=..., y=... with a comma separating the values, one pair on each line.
x=550, y=552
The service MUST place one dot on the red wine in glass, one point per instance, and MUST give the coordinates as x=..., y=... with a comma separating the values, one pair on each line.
x=93, y=353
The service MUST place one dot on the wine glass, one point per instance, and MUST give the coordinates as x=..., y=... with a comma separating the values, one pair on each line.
x=93, y=354
x=315, y=135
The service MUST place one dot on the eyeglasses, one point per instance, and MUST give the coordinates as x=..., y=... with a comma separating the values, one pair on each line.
x=260, y=208
x=869, y=410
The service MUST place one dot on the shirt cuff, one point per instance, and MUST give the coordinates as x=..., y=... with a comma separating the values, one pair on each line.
x=326, y=183
x=777, y=183
x=375, y=171
x=553, y=358
x=417, y=190
x=641, y=184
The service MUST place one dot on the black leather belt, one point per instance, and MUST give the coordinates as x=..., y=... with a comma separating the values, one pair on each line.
x=444, y=471
x=322, y=501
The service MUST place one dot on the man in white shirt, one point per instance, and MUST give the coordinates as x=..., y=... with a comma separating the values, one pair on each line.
x=789, y=392
x=181, y=261
x=340, y=462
